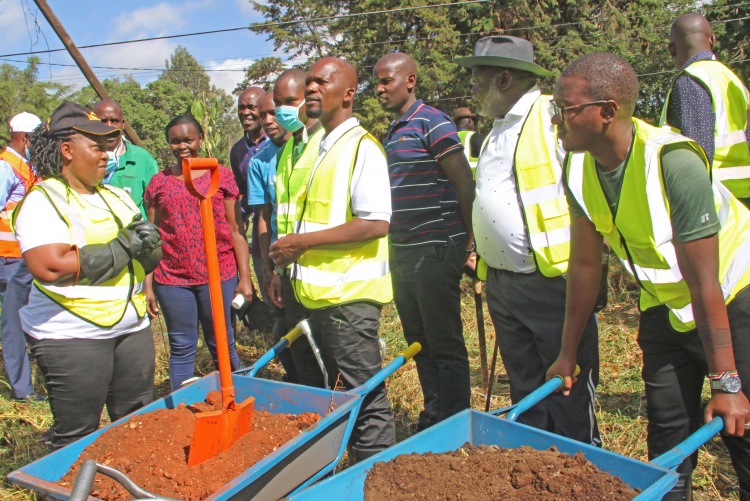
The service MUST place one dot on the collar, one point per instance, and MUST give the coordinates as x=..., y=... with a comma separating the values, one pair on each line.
x=522, y=106
x=706, y=55
x=336, y=133
x=413, y=109
x=250, y=143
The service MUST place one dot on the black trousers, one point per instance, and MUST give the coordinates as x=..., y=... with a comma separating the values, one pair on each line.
x=347, y=336
x=528, y=311
x=674, y=372
x=82, y=375
x=426, y=290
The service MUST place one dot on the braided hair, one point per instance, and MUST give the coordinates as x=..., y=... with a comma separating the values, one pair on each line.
x=44, y=152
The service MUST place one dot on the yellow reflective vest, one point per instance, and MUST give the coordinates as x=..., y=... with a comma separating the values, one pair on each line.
x=729, y=98
x=465, y=137
x=640, y=232
x=291, y=181
x=327, y=276
x=103, y=305
x=538, y=176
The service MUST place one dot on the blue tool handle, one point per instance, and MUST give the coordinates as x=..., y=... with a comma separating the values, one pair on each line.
x=675, y=456
x=285, y=341
x=534, y=397
x=389, y=369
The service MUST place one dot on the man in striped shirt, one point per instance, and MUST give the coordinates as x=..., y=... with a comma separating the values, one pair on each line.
x=432, y=193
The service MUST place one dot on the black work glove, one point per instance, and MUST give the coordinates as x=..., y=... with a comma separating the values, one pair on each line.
x=151, y=260
x=149, y=235
x=101, y=262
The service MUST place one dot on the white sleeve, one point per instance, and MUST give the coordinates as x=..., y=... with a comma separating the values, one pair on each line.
x=371, y=187
x=38, y=223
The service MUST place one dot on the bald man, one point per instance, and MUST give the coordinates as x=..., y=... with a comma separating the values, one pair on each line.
x=130, y=167
x=339, y=251
x=708, y=103
x=240, y=157
x=432, y=192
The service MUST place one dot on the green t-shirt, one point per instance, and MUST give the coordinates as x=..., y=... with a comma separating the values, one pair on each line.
x=688, y=188
x=135, y=169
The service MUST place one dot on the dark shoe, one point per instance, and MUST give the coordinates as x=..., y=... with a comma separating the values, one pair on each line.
x=46, y=437
x=32, y=397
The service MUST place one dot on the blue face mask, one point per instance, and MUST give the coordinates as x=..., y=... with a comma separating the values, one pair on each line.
x=111, y=164
x=288, y=117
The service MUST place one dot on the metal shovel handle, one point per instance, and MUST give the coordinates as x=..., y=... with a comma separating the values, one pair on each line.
x=85, y=479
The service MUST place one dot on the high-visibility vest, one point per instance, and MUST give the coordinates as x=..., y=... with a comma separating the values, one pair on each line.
x=22, y=170
x=103, y=305
x=327, y=276
x=641, y=231
x=291, y=181
x=729, y=98
x=465, y=137
x=544, y=207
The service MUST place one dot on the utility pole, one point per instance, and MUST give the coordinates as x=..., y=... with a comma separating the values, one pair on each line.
x=81, y=61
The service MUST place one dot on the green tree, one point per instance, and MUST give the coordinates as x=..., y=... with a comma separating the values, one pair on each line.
x=20, y=90
x=262, y=72
x=732, y=30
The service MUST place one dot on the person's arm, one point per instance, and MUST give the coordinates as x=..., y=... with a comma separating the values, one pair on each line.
x=7, y=180
x=690, y=110
x=239, y=246
x=458, y=172
x=151, y=303
x=699, y=264
x=264, y=236
x=53, y=263
x=584, y=275
x=288, y=249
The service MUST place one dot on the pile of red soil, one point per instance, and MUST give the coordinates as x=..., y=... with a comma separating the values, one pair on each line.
x=152, y=450
x=491, y=473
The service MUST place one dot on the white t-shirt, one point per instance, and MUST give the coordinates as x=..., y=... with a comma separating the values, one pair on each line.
x=370, y=189
x=37, y=224
x=499, y=231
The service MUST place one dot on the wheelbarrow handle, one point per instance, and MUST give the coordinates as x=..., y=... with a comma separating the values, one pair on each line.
x=285, y=341
x=677, y=454
x=209, y=164
x=389, y=369
x=533, y=398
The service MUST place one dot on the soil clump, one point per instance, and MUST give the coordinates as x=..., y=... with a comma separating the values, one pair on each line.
x=491, y=473
x=152, y=450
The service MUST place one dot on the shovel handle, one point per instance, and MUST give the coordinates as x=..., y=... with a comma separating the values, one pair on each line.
x=389, y=369
x=209, y=164
x=285, y=341
x=677, y=454
x=534, y=397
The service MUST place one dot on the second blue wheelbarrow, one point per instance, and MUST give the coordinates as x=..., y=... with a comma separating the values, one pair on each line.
x=312, y=454
x=653, y=479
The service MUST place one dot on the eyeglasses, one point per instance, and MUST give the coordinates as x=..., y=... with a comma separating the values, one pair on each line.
x=559, y=111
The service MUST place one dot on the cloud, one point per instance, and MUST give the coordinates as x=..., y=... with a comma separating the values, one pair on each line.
x=157, y=20
x=13, y=26
x=228, y=80
x=147, y=55
x=247, y=10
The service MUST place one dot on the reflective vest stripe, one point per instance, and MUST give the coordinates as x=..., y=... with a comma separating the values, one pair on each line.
x=359, y=272
x=729, y=173
x=97, y=292
x=730, y=139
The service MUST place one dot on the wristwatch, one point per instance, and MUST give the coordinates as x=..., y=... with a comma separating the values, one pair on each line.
x=727, y=382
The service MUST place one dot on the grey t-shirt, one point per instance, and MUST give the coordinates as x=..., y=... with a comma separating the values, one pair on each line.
x=688, y=188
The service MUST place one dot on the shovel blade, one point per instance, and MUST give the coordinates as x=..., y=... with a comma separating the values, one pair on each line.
x=216, y=431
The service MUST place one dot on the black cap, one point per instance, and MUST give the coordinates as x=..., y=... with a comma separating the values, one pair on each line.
x=74, y=116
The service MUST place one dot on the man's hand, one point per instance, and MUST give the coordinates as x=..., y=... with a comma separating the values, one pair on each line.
x=565, y=368
x=245, y=287
x=274, y=291
x=734, y=410
x=287, y=250
x=470, y=265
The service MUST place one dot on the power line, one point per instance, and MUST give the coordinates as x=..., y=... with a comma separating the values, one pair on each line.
x=253, y=26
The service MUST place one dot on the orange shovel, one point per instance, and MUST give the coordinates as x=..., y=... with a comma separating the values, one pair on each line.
x=215, y=431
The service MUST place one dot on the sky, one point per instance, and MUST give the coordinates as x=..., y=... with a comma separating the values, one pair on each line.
x=23, y=28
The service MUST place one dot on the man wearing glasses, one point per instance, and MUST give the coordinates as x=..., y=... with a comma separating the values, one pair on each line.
x=685, y=239
x=522, y=233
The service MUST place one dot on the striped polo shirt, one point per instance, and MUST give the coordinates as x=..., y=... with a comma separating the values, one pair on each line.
x=425, y=204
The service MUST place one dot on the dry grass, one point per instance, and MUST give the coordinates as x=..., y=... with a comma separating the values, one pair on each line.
x=621, y=405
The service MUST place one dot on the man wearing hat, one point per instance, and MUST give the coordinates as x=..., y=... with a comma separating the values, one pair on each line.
x=522, y=232
x=466, y=124
x=15, y=280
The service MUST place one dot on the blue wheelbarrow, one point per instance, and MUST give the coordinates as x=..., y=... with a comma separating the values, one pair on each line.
x=653, y=479
x=312, y=454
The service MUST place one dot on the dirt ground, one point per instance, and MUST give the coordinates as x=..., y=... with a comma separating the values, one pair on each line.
x=152, y=449
x=491, y=473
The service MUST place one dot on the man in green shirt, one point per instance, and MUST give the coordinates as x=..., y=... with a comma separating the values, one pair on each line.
x=130, y=167
x=646, y=191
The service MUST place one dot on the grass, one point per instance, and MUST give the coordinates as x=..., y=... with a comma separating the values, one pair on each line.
x=621, y=403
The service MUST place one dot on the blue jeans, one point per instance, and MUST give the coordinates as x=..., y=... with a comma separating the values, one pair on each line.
x=15, y=286
x=183, y=308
